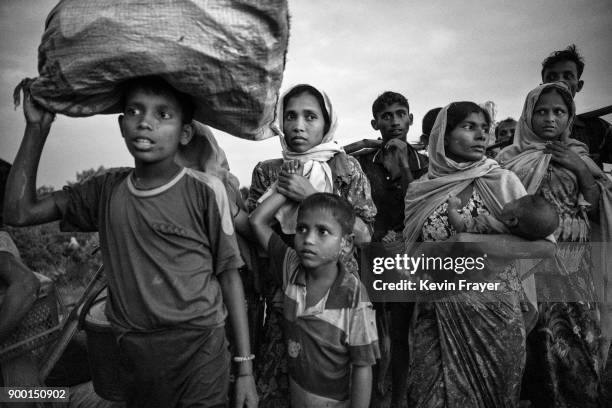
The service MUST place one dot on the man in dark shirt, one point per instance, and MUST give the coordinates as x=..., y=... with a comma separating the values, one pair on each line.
x=567, y=66
x=392, y=118
x=390, y=167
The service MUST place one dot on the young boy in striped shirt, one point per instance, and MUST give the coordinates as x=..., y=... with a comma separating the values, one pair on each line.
x=329, y=323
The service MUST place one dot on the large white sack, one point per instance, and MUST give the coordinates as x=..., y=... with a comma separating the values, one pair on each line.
x=229, y=55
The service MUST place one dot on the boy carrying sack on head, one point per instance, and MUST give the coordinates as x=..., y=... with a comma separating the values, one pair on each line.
x=168, y=246
x=329, y=323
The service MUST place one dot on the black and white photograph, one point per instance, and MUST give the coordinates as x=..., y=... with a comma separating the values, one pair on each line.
x=292, y=203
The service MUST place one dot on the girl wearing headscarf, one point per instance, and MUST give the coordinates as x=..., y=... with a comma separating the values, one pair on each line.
x=567, y=351
x=467, y=348
x=307, y=124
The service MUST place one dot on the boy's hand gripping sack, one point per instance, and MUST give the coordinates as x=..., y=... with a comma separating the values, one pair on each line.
x=229, y=55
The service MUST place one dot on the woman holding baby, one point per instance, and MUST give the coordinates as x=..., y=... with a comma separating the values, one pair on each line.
x=468, y=348
x=312, y=162
x=568, y=347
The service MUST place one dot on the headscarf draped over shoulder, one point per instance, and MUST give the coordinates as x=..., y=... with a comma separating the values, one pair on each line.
x=316, y=167
x=446, y=177
x=525, y=156
x=328, y=138
x=203, y=153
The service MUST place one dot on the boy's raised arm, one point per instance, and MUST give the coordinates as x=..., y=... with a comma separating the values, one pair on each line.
x=262, y=217
x=242, y=224
x=21, y=205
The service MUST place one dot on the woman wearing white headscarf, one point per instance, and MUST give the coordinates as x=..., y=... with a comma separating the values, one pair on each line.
x=307, y=124
x=467, y=348
x=326, y=167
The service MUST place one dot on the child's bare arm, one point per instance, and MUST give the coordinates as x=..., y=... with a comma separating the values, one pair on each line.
x=361, y=386
x=242, y=224
x=21, y=205
x=233, y=297
x=454, y=218
x=262, y=218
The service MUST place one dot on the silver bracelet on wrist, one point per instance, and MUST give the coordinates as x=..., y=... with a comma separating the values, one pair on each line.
x=242, y=359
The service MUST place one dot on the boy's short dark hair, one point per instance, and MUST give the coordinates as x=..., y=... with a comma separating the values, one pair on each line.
x=338, y=206
x=568, y=54
x=309, y=89
x=386, y=99
x=158, y=86
x=537, y=218
x=507, y=120
x=428, y=120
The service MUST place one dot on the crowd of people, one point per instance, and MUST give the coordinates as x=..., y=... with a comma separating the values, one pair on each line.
x=179, y=279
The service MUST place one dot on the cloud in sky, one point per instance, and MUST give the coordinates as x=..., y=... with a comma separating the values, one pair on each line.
x=433, y=52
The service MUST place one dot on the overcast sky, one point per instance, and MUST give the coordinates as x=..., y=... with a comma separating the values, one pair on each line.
x=433, y=52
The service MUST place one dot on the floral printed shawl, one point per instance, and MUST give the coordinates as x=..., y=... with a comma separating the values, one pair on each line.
x=447, y=177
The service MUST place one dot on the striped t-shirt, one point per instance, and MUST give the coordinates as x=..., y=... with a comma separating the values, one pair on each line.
x=324, y=340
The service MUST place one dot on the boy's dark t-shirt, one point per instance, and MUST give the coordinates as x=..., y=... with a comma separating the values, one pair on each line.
x=162, y=248
x=596, y=133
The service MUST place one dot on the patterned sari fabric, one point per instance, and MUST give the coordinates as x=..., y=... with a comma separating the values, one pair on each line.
x=564, y=363
x=271, y=370
x=467, y=350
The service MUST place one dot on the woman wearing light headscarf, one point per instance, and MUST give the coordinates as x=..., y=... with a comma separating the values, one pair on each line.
x=467, y=348
x=306, y=131
x=307, y=123
x=567, y=352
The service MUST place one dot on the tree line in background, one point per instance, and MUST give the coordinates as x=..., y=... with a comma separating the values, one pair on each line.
x=69, y=258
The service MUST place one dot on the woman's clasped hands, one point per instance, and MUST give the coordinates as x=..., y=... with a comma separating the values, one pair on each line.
x=292, y=183
x=564, y=156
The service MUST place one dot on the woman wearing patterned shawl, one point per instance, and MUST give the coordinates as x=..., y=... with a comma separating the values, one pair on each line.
x=307, y=123
x=468, y=348
x=567, y=351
